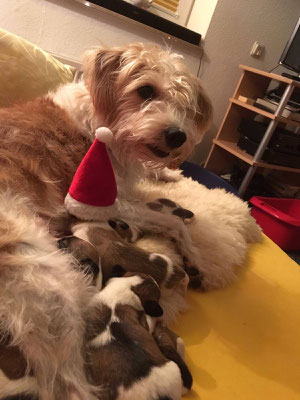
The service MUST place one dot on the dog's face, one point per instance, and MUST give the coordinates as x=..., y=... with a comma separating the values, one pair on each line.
x=155, y=108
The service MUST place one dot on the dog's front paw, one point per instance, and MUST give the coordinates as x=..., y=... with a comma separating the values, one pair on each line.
x=168, y=206
x=129, y=233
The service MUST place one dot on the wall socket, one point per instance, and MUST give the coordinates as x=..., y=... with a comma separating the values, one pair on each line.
x=257, y=49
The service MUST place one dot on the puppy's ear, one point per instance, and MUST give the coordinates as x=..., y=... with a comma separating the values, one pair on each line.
x=117, y=271
x=152, y=308
x=100, y=71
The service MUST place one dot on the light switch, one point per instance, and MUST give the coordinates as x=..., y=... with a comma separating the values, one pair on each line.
x=257, y=49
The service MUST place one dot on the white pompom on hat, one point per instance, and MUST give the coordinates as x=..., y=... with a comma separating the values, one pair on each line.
x=104, y=134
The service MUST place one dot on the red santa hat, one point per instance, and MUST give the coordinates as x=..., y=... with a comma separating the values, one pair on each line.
x=94, y=184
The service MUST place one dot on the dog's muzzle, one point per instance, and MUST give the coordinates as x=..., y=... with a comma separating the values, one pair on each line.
x=174, y=137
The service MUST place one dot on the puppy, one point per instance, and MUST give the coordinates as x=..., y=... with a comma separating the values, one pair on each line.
x=95, y=243
x=123, y=358
x=157, y=112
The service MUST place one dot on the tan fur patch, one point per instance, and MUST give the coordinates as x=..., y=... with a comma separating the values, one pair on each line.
x=39, y=154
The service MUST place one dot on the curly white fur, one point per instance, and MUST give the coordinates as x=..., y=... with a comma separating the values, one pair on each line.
x=221, y=228
x=42, y=300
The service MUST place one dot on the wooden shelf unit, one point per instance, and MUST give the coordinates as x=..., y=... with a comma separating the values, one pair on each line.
x=224, y=152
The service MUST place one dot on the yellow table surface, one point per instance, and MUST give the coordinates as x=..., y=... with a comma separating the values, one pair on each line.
x=243, y=342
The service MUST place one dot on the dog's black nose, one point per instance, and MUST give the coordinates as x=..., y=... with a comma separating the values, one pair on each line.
x=174, y=137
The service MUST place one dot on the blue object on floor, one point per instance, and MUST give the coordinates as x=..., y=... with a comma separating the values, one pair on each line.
x=205, y=177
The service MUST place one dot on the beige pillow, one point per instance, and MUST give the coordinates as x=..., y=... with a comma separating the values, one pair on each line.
x=26, y=71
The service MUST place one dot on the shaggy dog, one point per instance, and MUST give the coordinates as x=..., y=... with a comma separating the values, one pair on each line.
x=157, y=112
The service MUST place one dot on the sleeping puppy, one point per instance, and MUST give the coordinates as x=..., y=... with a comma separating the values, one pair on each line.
x=123, y=359
x=94, y=240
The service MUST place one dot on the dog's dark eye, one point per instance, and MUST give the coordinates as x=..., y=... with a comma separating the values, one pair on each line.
x=146, y=92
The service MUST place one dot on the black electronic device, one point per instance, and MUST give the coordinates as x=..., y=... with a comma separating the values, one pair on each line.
x=282, y=140
x=269, y=156
x=290, y=57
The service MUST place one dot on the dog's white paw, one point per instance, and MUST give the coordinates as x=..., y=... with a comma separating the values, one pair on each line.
x=167, y=206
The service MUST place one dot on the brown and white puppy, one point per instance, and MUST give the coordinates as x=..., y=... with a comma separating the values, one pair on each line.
x=94, y=244
x=124, y=359
x=157, y=111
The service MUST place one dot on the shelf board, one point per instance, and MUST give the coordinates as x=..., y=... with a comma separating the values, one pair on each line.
x=232, y=148
x=277, y=167
x=267, y=114
x=276, y=77
x=252, y=108
x=288, y=121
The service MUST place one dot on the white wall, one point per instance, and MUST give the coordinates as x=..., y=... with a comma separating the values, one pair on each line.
x=201, y=16
x=68, y=28
x=235, y=26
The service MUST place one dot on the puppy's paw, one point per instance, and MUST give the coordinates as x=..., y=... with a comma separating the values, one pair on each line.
x=129, y=233
x=180, y=347
x=195, y=279
x=168, y=206
x=195, y=276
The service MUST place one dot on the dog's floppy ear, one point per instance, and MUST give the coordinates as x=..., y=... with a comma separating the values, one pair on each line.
x=117, y=271
x=100, y=70
x=152, y=308
x=204, y=109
